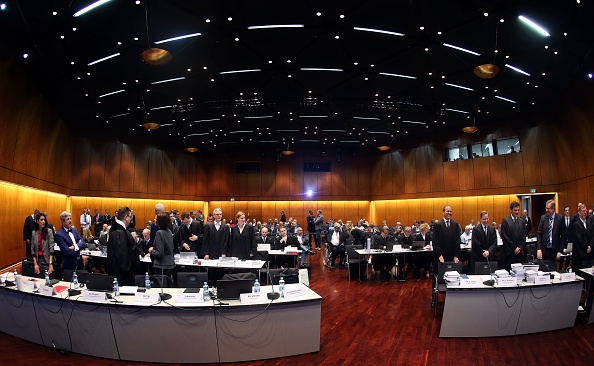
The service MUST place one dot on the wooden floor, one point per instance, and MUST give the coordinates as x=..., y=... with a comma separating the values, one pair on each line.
x=375, y=323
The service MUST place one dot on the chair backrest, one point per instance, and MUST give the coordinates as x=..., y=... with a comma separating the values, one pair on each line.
x=80, y=273
x=446, y=267
x=240, y=276
x=191, y=279
x=351, y=252
x=482, y=268
x=547, y=265
x=290, y=275
x=155, y=281
x=587, y=263
x=531, y=250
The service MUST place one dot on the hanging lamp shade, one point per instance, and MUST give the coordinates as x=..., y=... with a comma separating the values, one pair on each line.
x=384, y=148
x=486, y=71
x=191, y=149
x=156, y=56
x=151, y=126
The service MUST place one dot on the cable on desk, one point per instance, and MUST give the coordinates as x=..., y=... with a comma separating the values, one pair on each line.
x=245, y=320
x=505, y=300
x=15, y=306
x=115, y=340
x=547, y=294
x=216, y=331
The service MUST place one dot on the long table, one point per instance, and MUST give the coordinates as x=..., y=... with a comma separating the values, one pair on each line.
x=175, y=332
x=490, y=311
x=588, y=274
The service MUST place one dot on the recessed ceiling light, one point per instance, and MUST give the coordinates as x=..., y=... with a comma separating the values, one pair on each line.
x=422, y=28
x=53, y=13
x=439, y=33
x=501, y=20
x=119, y=43
x=229, y=19
x=319, y=14
x=236, y=39
x=25, y=55
x=341, y=16
x=189, y=69
x=2, y=6
x=426, y=49
x=337, y=37
x=74, y=29
x=208, y=20
x=136, y=38
x=486, y=14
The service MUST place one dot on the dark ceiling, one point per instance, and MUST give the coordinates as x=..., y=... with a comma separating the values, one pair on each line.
x=358, y=101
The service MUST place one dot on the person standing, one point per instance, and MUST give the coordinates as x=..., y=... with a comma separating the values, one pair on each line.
x=97, y=222
x=216, y=237
x=319, y=225
x=69, y=241
x=119, y=246
x=42, y=245
x=527, y=222
x=513, y=235
x=446, y=238
x=311, y=227
x=242, y=243
x=550, y=237
x=484, y=241
x=28, y=227
x=85, y=220
x=583, y=237
x=283, y=217
x=162, y=251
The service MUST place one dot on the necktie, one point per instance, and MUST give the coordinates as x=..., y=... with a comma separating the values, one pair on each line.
x=69, y=230
x=515, y=220
x=550, y=244
x=584, y=222
x=448, y=224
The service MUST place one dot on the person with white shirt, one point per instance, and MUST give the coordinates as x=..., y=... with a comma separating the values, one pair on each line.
x=466, y=235
x=583, y=237
x=303, y=244
x=216, y=237
x=85, y=220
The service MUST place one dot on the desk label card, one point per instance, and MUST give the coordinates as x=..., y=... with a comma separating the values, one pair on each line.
x=185, y=262
x=190, y=298
x=28, y=285
x=542, y=280
x=506, y=282
x=146, y=297
x=94, y=296
x=291, y=292
x=45, y=290
x=253, y=298
x=570, y=276
x=470, y=282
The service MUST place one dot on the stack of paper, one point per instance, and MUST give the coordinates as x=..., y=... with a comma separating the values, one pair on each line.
x=502, y=273
x=530, y=274
x=452, y=278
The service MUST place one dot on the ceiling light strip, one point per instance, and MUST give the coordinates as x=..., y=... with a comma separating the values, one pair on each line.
x=534, y=26
x=166, y=124
x=517, y=70
x=379, y=31
x=507, y=100
x=89, y=8
x=103, y=59
x=112, y=93
x=350, y=141
x=334, y=131
x=163, y=107
x=119, y=115
x=269, y=141
x=369, y=118
x=241, y=131
x=239, y=71
x=198, y=134
x=459, y=86
x=309, y=140
x=419, y=123
x=398, y=75
x=379, y=132
x=179, y=37
x=207, y=120
x=313, y=116
x=257, y=117
x=287, y=130
x=318, y=69
x=168, y=80
x=456, y=110
x=461, y=49
x=276, y=26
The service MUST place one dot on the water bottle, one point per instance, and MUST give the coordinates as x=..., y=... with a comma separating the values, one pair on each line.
x=75, y=280
x=205, y=293
x=256, y=286
x=147, y=282
x=116, y=287
x=15, y=273
x=368, y=245
x=47, y=279
x=281, y=286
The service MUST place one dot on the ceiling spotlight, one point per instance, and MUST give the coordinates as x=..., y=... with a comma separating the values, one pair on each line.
x=590, y=75
x=319, y=14
x=151, y=126
x=156, y=56
x=229, y=19
x=25, y=55
x=3, y=7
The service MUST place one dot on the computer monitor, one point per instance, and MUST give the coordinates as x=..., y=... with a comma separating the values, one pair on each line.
x=231, y=289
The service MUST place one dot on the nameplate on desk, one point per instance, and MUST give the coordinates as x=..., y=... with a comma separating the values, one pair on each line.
x=507, y=282
x=28, y=286
x=190, y=298
x=85, y=252
x=96, y=253
x=94, y=296
x=569, y=276
x=146, y=297
x=470, y=282
x=253, y=298
x=185, y=262
x=44, y=290
x=397, y=247
x=542, y=280
x=291, y=292
x=256, y=264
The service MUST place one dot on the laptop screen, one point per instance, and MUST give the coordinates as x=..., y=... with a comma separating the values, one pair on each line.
x=99, y=282
x=231, y=289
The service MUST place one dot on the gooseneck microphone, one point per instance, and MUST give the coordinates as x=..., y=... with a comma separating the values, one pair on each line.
x=490, y=282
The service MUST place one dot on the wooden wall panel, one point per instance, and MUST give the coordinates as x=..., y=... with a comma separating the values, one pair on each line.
x=126, y=169
x=482, y=172
x=396, y=174
x=141, y=169
x=422, y=169
x=167, y=169
x=530, y=157
x=514, y=170
x=466, y=174
x=410, y=172
x=547, y=157
x=497, y=172
x=97, y=165
x=451, y=177
x=435, y=169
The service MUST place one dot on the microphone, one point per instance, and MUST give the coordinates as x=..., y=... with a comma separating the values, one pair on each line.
x=272, y=295
x=163, y=296
x=490, y=282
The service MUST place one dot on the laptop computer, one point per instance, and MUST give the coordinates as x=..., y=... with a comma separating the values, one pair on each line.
x=99, y=282
x=418, y=245
x=231, y=289
x=91, y=246
x=187, y=255
x=390, y=245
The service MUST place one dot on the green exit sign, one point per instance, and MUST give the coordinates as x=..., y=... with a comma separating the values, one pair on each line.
x=232, y=199
x=533, y=190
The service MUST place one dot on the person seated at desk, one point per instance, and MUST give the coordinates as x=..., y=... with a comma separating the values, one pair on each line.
x=466, y=236
x=88, y=262
x=335, y=240
x=303, y=243
x=263, y=238
x=383, y=262
x=405, y=261
x=281, y=243
x=423, y=260
x=69, y=241
x=484, y=241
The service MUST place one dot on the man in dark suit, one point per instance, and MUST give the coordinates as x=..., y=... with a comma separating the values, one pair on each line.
x=28, y=227
x=550, y=238
x=319, y=225
x=336, y=243
x=107, y=217
x=119, y=247
x=568, y=223
x=527, y=222
x=446, y=238
x=97, y=222
x=513, y=235
x=189, y=235
x=216, y=237
x=311, y=228
x=69, y=241
x=583, y=237
x=405, y=261
x=383, y=262
x=484, y=241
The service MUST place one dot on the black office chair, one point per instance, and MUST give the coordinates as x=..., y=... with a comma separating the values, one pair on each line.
x=29, y=270
x=354, y=260
x=547, y=265
x=482, y=268
x=80, y=273
x=531, y=251
x=440, y=285
x=290, y=275
x=191, y=279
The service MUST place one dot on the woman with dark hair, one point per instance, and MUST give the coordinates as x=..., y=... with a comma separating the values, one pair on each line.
x=243, y=239
x=162, y=249
x=42, y=245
